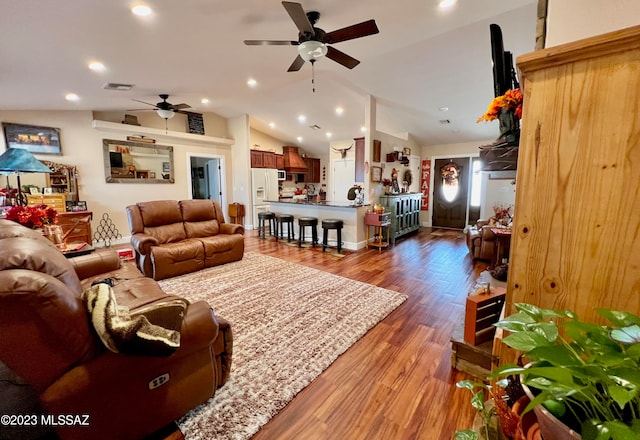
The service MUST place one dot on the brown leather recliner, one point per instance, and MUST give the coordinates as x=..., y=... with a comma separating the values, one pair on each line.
x=176, y=237
x=481, y=241
x=48, y=341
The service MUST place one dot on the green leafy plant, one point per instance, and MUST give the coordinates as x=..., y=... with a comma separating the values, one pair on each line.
x=587, y=375
x=478, y=401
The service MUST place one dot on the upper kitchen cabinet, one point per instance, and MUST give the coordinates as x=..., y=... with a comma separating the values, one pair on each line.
x=313, y=170
x=280, y=161
x=263, y=159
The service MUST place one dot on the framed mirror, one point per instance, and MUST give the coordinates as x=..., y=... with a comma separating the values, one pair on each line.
x=137, y=162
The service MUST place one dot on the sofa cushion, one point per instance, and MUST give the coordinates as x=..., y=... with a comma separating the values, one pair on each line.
x=169, y=233
x=177, y=258
x=206, y=228
x=220, y=243
x=197, y=210
x=160, y=212
x=38, y=255
x=153, y=330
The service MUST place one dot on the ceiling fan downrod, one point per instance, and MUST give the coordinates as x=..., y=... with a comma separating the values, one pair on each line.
x=313, y=74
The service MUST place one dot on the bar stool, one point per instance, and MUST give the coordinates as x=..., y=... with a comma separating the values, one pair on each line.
x=331, y=223
x=308, y=221
x=270, y=217
x=282, y=219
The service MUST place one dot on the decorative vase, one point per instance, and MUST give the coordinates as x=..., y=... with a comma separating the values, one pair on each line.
x=509, y=127
x=550, y=426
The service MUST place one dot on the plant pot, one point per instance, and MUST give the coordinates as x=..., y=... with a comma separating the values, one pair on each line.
x=550, y=426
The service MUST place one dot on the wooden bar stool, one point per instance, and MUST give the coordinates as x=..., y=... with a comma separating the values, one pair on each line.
x=308, y=221
x=331, y=223
x=270, y=219
x=280, y=220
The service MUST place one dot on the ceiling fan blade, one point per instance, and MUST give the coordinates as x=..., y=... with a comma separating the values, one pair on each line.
x=139, y=109
x=355, y=31
x=180, y=106
x=270, y=43
x=185, y=112
x=148, y=103
x=299, y=17
x=296, y=65
x=341, y=58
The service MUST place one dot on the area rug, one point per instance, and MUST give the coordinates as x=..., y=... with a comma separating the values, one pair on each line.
x=290, y=322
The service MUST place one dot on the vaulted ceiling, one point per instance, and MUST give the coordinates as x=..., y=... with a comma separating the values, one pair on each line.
x=424, y=58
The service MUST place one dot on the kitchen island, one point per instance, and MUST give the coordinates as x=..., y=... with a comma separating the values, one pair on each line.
x=353, y=231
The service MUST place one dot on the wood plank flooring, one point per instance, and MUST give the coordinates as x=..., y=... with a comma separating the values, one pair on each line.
x=397, y=381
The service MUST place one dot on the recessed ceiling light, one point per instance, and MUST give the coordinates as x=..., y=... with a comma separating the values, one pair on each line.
x=363, y=129
x=272, y=125
x=339, y=111
x=446, y=3
x=252, y=82
x=71, y=97
x=302, y=119
x=443, y=109
x=329, y=134
x=204, y=101
x=96, y=66
x=299, y=138
x=141, y=10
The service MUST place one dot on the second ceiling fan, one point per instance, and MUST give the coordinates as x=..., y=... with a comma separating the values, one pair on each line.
x=313, y=42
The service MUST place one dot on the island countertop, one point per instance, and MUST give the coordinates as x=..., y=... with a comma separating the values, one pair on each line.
x=317, y=203
x=352, y=216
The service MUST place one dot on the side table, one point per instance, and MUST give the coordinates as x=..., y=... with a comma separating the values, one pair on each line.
x=503, y=242
x=380, y=224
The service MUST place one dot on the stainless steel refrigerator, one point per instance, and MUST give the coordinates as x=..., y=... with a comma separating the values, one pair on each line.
x=264, y=187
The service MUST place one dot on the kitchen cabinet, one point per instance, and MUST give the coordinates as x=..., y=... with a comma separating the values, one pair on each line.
x=257, y=159
x=280, y=161
x=405, y=213
x=313, y=170
x=263, y=159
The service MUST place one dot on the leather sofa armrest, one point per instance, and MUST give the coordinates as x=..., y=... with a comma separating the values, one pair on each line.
x=481, y=223
x=142, y=243
x=229, y=228
x=487, y=233
x=102, y=261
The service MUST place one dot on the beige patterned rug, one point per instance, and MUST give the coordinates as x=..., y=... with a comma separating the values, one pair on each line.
x=290, y=322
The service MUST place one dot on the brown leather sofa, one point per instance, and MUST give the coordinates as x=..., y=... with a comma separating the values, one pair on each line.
x=48, y=341
x=481, y=241
x=176, y=237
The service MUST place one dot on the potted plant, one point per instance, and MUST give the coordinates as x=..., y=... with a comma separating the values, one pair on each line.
x=587, y=375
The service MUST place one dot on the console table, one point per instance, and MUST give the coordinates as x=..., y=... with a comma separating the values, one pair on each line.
x=405, y=213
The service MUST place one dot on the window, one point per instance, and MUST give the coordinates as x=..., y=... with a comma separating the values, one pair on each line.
x=476, y=182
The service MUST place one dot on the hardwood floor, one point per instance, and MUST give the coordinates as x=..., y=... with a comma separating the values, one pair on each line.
x=397, y=381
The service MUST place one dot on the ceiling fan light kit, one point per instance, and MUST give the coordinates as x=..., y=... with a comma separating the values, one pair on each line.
x=165, y=114
x=312, y=50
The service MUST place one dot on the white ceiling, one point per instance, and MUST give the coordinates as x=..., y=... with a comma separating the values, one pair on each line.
x=422, y=59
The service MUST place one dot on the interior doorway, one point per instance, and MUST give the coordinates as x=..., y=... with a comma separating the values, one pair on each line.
x=451, y=192
x=206, y=178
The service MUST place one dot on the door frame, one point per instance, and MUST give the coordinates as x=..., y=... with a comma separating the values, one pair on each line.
x=223, y=179
x=432, y=180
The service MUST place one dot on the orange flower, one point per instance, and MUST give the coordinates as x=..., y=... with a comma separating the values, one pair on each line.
x=511, y=100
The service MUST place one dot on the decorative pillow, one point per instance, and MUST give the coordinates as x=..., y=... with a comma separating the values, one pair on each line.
x=153, y=330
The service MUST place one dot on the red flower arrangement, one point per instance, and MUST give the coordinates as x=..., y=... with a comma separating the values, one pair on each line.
x=33, y=216
x=511, y=100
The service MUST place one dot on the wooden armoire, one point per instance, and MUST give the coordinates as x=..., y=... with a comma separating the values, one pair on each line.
x=576, y=241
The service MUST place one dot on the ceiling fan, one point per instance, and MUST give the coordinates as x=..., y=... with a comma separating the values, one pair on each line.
x=313, y=42
x=165, y=109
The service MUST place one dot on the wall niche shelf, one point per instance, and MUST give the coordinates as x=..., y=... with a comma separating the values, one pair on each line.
x=164, y=136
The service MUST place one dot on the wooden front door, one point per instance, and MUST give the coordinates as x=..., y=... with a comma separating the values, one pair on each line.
x=450, y=192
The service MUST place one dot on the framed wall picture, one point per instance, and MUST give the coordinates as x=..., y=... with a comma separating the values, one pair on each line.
x=377, y=148
x=406, y=151
x=48, y=190
x=376, y=174
x=33, y=138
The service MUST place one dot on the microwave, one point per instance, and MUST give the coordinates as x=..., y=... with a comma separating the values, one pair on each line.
x=282, y=175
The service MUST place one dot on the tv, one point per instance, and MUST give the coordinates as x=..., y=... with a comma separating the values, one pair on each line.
x=115, y=159
x=504, y=74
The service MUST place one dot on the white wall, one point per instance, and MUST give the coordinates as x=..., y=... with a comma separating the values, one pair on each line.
x=82, y=146
x=570, y=20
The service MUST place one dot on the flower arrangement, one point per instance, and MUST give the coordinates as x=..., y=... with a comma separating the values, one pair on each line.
x=386, y=182
x=33, y=216
x=511, y=100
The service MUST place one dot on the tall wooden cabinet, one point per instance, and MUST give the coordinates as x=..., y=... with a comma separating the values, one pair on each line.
x=575, y=242
x=405, y=213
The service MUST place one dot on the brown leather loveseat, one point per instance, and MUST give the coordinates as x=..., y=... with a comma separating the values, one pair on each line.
x=48, y=341
x=176, y=237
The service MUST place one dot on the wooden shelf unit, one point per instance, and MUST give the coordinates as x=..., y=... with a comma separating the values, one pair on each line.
x=405, y=213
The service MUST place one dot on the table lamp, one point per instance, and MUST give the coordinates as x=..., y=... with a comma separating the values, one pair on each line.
x=18, y=160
